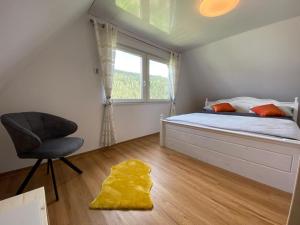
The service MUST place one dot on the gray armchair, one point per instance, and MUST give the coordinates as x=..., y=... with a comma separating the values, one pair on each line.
x=42, y=136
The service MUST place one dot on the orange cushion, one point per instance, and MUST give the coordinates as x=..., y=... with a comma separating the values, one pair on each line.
x=223, y=107
x=267, y=110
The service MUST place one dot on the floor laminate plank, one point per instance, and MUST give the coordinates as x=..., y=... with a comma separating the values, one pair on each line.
x=185, y=191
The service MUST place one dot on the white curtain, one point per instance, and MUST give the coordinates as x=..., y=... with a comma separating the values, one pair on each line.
x=174, y=72
x=106, y=36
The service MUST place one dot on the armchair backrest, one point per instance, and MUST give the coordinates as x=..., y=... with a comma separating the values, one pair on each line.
x=29, y=129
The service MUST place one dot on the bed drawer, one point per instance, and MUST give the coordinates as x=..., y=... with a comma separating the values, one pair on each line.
x=273, y=177
x=262, y=157
x=233, y=138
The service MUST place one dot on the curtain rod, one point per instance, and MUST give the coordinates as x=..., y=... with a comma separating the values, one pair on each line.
x=131, y=35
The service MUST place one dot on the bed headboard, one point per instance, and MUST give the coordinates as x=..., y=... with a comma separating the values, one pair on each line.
x=249, y=102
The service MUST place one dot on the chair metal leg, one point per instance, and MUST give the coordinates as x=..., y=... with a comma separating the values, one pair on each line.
x=71, y=165
x=53, y=178
x=30, y=174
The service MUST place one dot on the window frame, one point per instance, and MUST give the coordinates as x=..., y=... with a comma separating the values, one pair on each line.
x=145, y=84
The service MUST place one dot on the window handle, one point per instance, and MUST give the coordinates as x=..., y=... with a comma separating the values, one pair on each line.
x=145, y=83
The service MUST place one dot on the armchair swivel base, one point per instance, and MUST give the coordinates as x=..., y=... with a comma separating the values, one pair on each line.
x=49, y=166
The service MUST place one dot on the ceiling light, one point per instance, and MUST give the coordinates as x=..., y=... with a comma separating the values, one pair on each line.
x=213, y=8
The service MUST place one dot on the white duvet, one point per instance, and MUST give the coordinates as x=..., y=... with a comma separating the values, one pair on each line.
x=268, y=126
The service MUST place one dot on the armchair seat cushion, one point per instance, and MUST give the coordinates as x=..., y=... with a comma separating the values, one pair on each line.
x=54, y=148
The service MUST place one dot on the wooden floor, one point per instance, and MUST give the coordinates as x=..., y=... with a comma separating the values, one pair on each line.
x=185, y=191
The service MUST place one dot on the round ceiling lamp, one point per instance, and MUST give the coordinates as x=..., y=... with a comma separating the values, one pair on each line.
x=213, y=8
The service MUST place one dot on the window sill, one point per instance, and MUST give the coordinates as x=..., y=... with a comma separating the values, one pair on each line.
x=141, y=102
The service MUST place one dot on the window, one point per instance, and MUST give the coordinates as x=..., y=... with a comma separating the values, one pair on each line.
x=139, y=77
x=127, y=83
x=159, y=80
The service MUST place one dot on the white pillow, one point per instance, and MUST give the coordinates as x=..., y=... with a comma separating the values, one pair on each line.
x=239, y=107
x=208, y=107
x=289, y=111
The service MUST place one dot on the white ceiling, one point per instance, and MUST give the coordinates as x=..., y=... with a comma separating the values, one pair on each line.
x=187, y=28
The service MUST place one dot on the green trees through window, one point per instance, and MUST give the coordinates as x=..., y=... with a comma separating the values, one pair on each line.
x=159, y=81
x=128, y=86
x=131, y=82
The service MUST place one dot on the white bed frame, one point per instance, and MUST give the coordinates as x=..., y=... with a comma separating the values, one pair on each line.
x=270, y=160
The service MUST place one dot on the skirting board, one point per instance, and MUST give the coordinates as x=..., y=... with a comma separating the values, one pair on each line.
x=271, y=161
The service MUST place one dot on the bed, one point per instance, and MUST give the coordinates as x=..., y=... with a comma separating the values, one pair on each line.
x=270, y=156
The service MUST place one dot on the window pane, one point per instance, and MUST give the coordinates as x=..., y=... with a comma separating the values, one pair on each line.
x=131, y=6
x=127, y=82
x=159, y=80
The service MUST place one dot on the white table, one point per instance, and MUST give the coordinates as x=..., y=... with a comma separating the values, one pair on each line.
x=25, y=209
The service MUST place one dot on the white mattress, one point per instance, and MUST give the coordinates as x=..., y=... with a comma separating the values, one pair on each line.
x=260, y=125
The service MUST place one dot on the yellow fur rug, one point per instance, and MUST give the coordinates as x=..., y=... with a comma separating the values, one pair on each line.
x=127, y=187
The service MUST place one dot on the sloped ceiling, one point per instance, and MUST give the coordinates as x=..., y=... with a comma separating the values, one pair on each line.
x=26, y=25
x=178, y=23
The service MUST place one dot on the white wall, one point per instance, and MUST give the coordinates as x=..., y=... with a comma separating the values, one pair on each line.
x=26, y=25
x=61, y=80
x=264, y=63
